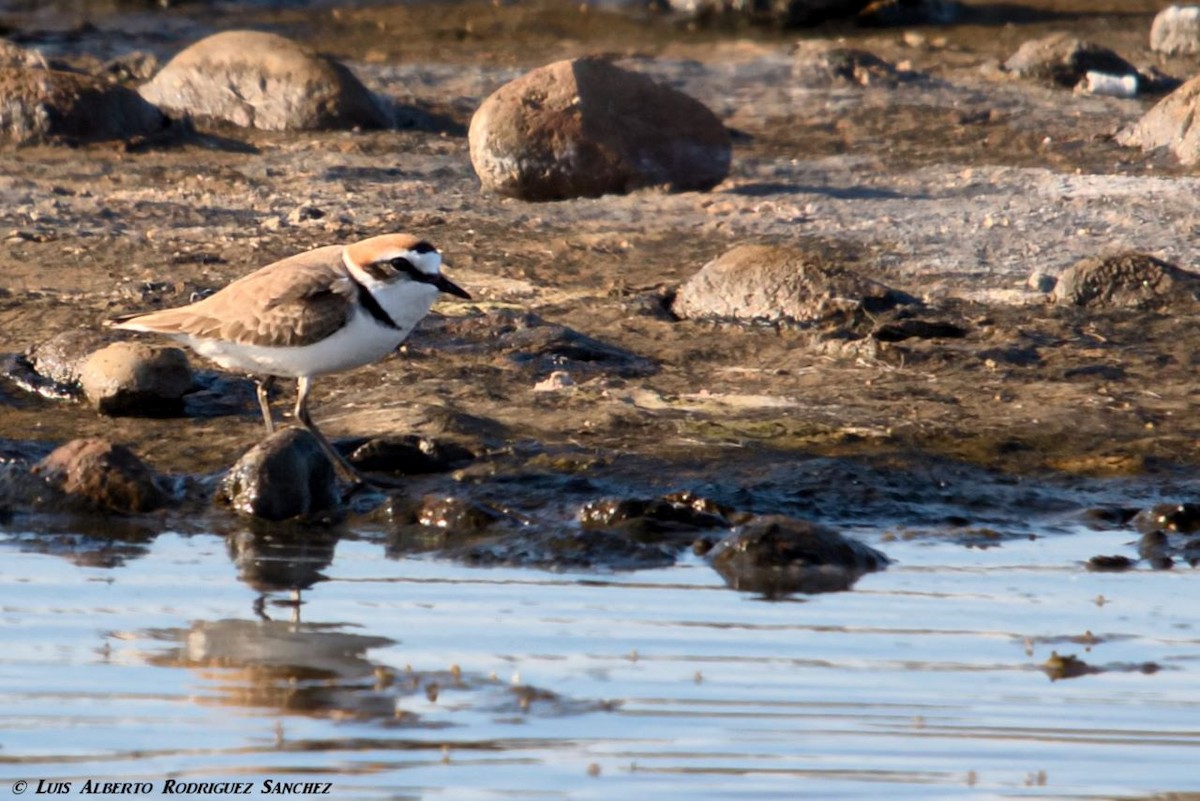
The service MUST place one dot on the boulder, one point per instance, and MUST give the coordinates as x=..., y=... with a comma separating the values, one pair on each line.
x=287, y=475
x=41, y=105
x=1171, y=123
x=774, y=283
x=1065, y=60
x=1128, y=280
x=586, y=127
x=1176, y=31
x=262, y=80
x=132, y=378
x=102, y=476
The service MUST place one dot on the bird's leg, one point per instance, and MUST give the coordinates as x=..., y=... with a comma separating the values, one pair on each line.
x=349, y=471
x=262, y=386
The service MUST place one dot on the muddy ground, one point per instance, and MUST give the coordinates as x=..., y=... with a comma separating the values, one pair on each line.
x=955, y=188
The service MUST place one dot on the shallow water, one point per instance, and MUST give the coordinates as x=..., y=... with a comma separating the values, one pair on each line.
x=923, y=682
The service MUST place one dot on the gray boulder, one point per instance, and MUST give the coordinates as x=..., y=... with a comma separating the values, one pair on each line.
x=261, y=80
x=586, y=127
x=285, y=476
x=42, y=105
x=1176, y=31
x=773, y=283
x=1171, y=123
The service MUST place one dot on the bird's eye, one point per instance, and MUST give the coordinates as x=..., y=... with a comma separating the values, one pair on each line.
x=402, y=264
x=423, y=248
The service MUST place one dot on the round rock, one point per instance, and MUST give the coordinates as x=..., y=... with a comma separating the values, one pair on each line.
x=585, y=128
x=102, y=476
x=1176, y=31
x=1129, y=280
x=1065, y=60
x=40, y=105
x=774, y=283
x=775, y=555
x=261, y=80
x=1172, y=123
x=286, y=475
x=132, y=378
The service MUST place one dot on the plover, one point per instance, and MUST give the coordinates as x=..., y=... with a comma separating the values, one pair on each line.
x=323, y=311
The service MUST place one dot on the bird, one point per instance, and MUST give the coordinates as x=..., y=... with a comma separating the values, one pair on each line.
x=323, y=311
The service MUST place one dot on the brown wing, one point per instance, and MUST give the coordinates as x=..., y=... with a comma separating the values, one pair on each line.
x=296, y=301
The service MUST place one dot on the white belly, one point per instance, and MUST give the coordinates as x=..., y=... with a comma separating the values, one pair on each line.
x=360, y=342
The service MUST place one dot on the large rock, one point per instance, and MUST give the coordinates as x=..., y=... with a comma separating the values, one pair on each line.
x=774, y=283
x=1065, y=60
x=40, y=105
x=1129, y=280
x=1176, y=30
x=261, y=80
x=585, y=127
x=1172, y=124
x=286, y=475
x=136, y=379
x=102, y=476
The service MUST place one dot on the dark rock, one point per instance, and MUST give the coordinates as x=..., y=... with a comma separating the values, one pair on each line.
x=1109, y=564
x=776, y=555
x=456, y=514
x=1171, y=123
x=1183, y=518
x=564, y=549
x=666, y=519
x=901, y=330
x=262, y=80
x=1067, y=666
x=774, y=283
x=819, y=64
x=132, y=378
x=102, y=476
x=285, y=476
x=42, y=105
x=1127, y=280
x=1176, y=31
x=1064, y=60
x=408, y=455
x=585, y=128
x=1108, y=517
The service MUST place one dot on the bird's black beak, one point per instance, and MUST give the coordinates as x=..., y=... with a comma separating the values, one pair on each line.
x=449, y=287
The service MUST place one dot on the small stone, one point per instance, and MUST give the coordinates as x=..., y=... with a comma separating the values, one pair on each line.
x=285, y=476
x=408, y=455
x=102, y=476
x=555, y=382
x=586, y=127
x=133, y=378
